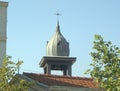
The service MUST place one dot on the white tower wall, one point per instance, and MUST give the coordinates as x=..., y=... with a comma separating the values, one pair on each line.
x=3, y=28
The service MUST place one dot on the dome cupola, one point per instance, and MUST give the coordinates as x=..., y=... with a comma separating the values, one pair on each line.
x=57, y=45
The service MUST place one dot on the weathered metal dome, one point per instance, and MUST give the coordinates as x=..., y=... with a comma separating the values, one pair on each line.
x=57, y=46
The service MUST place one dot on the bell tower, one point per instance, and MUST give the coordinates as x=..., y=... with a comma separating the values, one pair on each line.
x=57, y=54
x=3, y=28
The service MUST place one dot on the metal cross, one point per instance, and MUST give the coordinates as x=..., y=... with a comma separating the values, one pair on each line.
x=57, y=14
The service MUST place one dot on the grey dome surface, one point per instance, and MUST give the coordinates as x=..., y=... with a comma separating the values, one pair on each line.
x=57, y=46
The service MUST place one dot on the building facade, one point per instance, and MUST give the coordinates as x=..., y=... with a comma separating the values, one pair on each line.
x=57, y=58
x=3, y=29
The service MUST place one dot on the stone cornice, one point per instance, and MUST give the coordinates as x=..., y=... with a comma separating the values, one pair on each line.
x=5, y=4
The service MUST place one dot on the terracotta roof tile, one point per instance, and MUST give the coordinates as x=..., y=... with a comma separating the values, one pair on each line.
x=55, y=80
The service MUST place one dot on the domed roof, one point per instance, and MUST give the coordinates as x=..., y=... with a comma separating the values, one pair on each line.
x=57, y=46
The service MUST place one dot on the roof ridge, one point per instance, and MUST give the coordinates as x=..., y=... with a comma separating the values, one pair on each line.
x=60, y=76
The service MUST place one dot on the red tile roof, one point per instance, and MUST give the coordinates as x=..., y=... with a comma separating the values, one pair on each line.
x=55, y=80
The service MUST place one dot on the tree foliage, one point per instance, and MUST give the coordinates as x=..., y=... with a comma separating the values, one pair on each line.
x=9, y=81
x=105, y=64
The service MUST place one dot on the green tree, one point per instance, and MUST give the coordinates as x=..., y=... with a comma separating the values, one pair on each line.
x=106, y=64
x=9, y=81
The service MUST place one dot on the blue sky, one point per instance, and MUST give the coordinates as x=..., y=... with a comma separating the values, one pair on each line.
x=32, y=22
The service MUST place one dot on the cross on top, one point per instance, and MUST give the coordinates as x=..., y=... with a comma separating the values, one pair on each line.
x=57, y=14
